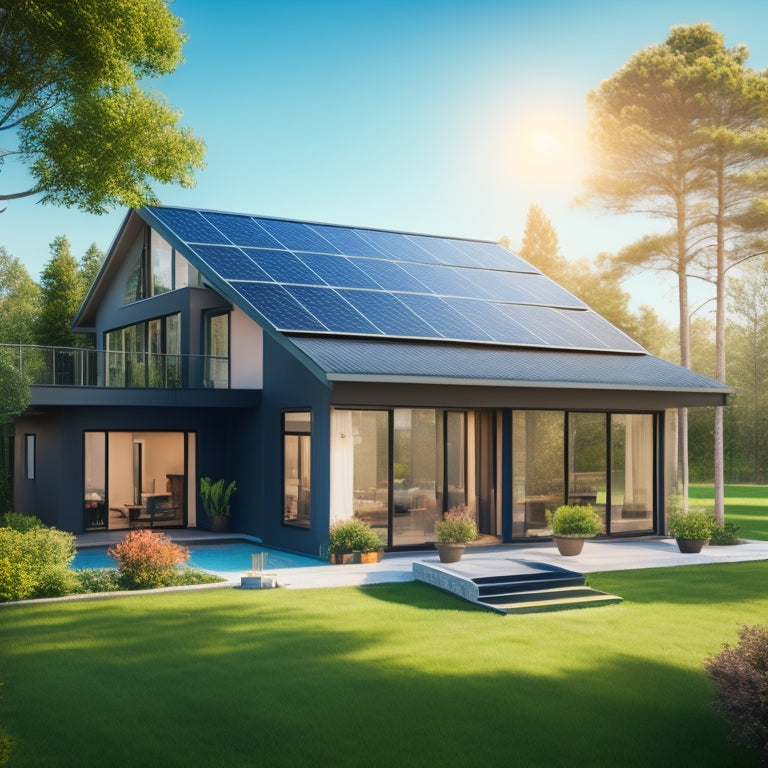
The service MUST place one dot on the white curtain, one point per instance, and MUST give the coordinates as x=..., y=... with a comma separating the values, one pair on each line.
x=342, y=465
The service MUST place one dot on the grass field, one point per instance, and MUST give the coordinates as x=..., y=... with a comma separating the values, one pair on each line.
x=390, y=675
x=745, y=505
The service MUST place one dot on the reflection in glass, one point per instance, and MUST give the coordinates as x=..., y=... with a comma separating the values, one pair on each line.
x=631, y=472
x=297, y=476
x=587, y=460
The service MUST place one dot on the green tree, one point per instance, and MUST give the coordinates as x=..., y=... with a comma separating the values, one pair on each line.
x=71, y=91
x=60, y=288
x=541, y=247
x=19, y=301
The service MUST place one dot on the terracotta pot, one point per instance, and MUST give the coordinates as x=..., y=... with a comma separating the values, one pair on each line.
x=341, y=558
x=369, y=557
x=568, y=546
x=450, y=553
x=690, y=546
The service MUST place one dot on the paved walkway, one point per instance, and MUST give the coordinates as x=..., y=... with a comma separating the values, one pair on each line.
x=598, y=555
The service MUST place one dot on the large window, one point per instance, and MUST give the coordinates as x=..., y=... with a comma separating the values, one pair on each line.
x=216, y=335
x=145, y=354
x=297, y=466
x=588, y=460
x=632, y=481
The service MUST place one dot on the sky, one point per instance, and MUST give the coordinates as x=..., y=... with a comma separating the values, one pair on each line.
x=447, y=117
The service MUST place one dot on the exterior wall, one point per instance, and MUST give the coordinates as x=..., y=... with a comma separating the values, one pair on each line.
x=288, y=385
x=246, y=344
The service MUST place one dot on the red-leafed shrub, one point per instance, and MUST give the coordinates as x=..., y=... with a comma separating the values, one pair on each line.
x=147, y=560
x=740, y=675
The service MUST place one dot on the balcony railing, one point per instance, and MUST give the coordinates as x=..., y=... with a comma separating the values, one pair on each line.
x=77, y=367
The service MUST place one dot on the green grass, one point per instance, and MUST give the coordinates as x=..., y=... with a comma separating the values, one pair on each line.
x=745, y=505
x=389, y=675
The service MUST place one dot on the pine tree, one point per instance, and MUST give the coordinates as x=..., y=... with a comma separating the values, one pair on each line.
x=60, y=297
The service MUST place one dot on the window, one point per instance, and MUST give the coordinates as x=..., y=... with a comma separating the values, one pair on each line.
x=217, y=350
x=297, y=468
x=29, y=457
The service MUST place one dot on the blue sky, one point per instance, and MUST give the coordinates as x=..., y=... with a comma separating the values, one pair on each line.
x=444, y=117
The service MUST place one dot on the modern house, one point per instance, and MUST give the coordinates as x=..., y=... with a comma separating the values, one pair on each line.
x=337, y=371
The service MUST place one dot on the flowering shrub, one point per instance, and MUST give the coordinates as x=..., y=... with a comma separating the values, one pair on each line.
x=35, y=563
x=457, y=526
x=740, y=676
x=146, y=560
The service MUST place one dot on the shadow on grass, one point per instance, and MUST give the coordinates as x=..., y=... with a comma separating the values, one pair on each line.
x=419, y=595
x=283, y=680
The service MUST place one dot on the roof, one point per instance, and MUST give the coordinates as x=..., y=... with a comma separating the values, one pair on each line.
x=369, y=305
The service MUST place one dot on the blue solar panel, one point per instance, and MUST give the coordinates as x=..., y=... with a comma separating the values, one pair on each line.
x=280, y=308
x=498, y=325
x=389, y=314
x=283, y=267
x=444, y=251
x=548, y=292
x=398, y=247
x=188, y=225
x=296, y=236
x=390, y=276
x=332, y=310
x=347, y=241
x=602, y=330
x=444, y=281
x=448, y=322
x=337, y=271
x=500, y=286
x=242, y=230
x=551, y=326
x=231, y=263
x=493, y=256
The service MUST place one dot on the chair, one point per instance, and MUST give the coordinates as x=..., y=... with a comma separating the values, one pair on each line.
x=159, y=508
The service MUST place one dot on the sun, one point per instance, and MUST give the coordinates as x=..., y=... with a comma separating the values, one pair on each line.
x=547, y=147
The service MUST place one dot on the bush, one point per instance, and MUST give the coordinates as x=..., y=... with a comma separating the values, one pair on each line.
x=147, y=560
x=574, y=520
x=724, y=535
x=693, y=524
x=21, y=522
x=457, y=526
x=740, y=676
x=353, y=535
x=35, y=563
x=95, y=580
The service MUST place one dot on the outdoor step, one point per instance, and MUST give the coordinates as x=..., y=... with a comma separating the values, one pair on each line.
x=556, y=603
x=530, y=596
x=512, y=584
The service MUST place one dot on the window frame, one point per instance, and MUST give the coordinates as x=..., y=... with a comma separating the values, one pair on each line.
x=298, y=520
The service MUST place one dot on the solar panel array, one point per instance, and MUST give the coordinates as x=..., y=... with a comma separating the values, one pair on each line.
x=324, y=279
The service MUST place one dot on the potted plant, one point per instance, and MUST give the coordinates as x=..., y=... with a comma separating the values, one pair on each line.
x=571, y=524
x=691, y=528
x=215, y=496
x=456, y=528
x=353, y=540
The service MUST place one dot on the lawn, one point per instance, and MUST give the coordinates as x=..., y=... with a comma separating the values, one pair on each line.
x=389, y=675
x=745, y=505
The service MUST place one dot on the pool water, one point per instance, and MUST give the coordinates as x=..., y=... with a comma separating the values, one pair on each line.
x=233, y=557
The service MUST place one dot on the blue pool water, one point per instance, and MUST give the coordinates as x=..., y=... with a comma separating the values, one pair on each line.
x=233, y=557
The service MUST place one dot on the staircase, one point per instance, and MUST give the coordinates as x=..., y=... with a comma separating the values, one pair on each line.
x=513, y=586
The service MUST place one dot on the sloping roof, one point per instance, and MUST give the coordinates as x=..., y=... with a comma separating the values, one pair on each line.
x=369, y=305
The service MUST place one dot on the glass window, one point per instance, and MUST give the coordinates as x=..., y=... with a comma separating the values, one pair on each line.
x=162, y=265
x=95, y=481
x=538, y=464
x=297, y=468
x=29, y=456
x=217, y=351
x=135, y=287
x=631, y=473
x=455, y=458
x=588, y=460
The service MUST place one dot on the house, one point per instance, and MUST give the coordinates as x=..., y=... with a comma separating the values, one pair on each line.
x=336, y=371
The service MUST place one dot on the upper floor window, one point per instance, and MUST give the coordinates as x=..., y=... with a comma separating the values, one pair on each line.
x=158, y=269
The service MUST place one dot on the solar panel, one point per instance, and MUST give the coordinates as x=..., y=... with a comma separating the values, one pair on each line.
x=318, y=278
x=231, y=263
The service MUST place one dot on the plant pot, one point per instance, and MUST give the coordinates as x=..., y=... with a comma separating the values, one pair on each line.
x=219, y=523
x=569, y=546
x=450, y=553
x=369, y=557
x=690, y=546
x=342, y=558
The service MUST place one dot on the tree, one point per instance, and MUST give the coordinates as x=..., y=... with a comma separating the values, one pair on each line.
x=541, y=247
x=69, y=92
x=19, y=301
x=60, y=297
x=676, y=131
x=89, y=267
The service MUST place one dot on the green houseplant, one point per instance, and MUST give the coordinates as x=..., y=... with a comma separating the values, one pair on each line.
x=453, y=531
x=691, y=528
x=216, y=495
x=353, y=540
x=571, y=524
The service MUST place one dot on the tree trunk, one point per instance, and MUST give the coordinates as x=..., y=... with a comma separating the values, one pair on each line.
x=719, y=473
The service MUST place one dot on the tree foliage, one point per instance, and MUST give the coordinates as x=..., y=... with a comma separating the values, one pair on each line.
x=70, y=92
x=19, y=301
x=60, y=297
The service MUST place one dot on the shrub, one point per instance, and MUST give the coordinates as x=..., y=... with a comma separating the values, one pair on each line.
x=35, y=563
x=353, y=535
x=740, y=676
x=457, y=526
x=574, y=520
x=724, y=535
x=21, y=522
x=693, y=524
x=147, y=560
x=94, y=580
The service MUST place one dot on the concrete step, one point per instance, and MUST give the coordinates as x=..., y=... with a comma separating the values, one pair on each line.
x=510, y=584
x=550, y=600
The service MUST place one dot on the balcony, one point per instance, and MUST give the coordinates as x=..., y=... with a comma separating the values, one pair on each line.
x=77, y=367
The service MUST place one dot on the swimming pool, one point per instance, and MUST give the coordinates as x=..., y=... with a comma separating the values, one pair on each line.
x=232, y=557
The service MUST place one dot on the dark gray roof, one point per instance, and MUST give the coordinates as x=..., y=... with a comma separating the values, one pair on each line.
x=382, y=361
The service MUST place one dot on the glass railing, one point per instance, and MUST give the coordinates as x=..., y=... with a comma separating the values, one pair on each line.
x=77, y=367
